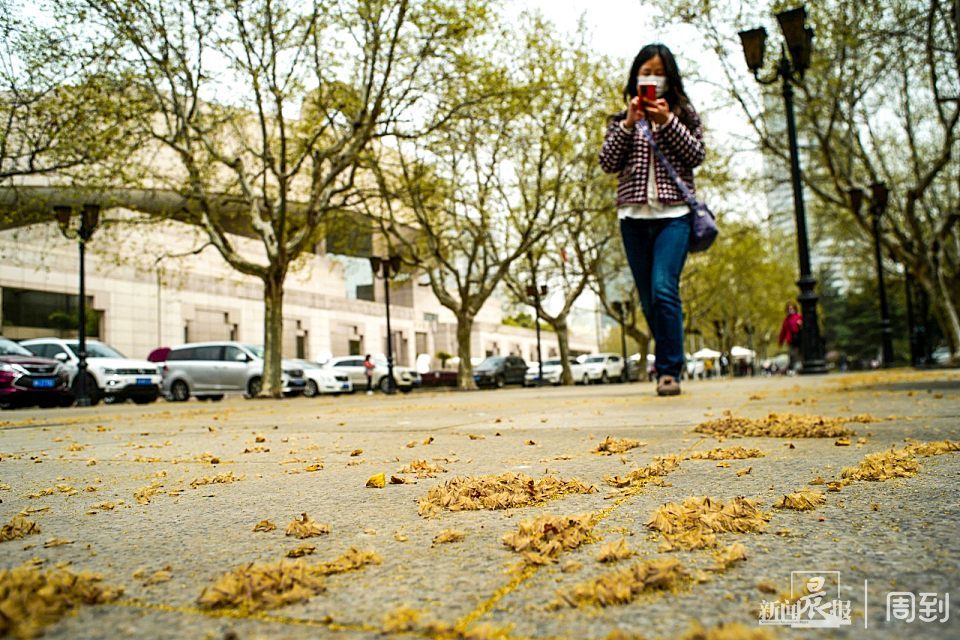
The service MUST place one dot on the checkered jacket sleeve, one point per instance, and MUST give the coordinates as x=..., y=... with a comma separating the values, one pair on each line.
x=685, y=143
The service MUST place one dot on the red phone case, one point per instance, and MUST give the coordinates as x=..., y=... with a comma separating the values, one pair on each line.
x=648, y=91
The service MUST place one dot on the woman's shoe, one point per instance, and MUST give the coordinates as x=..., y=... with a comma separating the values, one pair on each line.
x=668, y=386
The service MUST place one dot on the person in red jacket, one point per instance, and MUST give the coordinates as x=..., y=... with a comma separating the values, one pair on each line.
x=790, y=334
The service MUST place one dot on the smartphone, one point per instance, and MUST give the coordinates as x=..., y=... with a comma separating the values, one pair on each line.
x=647, y=90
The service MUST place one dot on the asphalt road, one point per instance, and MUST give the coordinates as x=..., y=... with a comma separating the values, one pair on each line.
x=898, y=535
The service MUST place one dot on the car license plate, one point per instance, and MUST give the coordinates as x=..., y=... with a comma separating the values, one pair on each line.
x=44, y=383
x=345, y=386
x=143, y=381
x=298, y=383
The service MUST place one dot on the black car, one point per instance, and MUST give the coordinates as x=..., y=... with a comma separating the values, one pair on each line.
x=497, y=371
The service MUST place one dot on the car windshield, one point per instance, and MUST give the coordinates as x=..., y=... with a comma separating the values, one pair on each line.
x=256, y=350
x=596, y=359
x=11, y=348
x=492, y=362
x=96, y=350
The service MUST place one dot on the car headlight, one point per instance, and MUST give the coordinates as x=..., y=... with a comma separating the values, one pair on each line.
x=13, y=368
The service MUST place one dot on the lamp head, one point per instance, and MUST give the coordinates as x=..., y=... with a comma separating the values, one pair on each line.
x=754, y=43
x=63, y=217
x=799, y=37
x=880, y=195
x=395, y=263
x=375, y=263
x=856, y=198
x=531, y=291
x=618, y=307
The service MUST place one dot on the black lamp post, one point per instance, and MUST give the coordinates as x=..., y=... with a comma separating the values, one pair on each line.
x=536, y=294
x=387, y=268
x=622, y=308
x=799, y=43
x=89, y=219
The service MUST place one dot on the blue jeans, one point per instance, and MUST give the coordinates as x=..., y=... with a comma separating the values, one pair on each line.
x=656, y=251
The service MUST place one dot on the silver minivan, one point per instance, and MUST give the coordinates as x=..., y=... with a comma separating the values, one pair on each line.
x=208, y=370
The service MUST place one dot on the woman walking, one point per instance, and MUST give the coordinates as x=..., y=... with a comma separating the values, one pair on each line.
x=654, y=217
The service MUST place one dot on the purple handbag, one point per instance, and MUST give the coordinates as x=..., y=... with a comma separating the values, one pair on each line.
x=703, y=224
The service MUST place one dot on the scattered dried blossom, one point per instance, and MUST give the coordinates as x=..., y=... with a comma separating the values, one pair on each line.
x=269, y=585
x=162, y=575
x=143, y=494
x=661, y=466
x=729, y=453
x=693, y=523
x=303, y=527
x=728, y=556
x=449, y=535
x=801, y=500
x=265, y=526
x=31, y=599
x=744, y=471
x=782, y=425
x=422, y=469
x=622, y=586
x=222, y=478
x=611, y=445
x=613, y=551
x=378, y=481
x=504, y=491
x=542, y=539
x=18, y=527
x=302, y=550
x=316, y=466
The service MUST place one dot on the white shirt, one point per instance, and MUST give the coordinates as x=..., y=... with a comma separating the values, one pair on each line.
x=654, y=209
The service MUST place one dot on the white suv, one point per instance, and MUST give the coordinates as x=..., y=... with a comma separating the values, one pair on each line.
x=111, y=376
x=603, y=367
x=406, y=377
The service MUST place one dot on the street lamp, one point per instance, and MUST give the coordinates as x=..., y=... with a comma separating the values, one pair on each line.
x=537, y=293
x=89, y=219
x=799, y=43
x=387, y=267
x=622, y=308
x=879, y=196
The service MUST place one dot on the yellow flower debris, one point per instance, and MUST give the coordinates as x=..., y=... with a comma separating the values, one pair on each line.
x=449, y=535
x=622, y=586
x=728, y=556
x=730, y=453
x=422, y=469
x=654, y=472
x=613, y=551
x=265, y=526
x=782, y=425
x=31, y=599
x=18, y=527
x=143, y=494
x=378, y=481
x=504, y=491
x=693, y=523
x=270, y=585
x=303, y=527
x=221, y=478
x=610, y=445
x=542, y=539
x=801, y=500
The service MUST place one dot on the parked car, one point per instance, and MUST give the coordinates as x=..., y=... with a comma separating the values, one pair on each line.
x=497, y=371
x=27, y=379
x=941, y=355
x=553, y=372
x=439, y=378
x=322, y=380
x=111, y=376
x=405, y=377
x=603, y=367
x=208, y=370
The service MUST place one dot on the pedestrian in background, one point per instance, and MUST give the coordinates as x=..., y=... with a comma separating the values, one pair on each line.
x=654, y=217
x=790, y=335
x=368, y=367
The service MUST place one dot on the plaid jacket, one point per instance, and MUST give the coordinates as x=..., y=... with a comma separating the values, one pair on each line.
x=629, y=155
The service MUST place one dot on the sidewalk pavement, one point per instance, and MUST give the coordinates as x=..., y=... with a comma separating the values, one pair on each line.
x=122, y=490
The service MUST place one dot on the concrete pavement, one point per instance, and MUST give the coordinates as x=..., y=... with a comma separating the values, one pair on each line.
x=195, y=523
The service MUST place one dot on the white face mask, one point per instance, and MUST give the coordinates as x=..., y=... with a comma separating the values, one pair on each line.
x=660, y=81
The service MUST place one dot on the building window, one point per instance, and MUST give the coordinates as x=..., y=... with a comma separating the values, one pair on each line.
x=29, y=314
x=431, y=317
x=421, y=339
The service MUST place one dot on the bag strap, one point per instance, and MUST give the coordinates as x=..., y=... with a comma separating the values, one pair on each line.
x=681, y=185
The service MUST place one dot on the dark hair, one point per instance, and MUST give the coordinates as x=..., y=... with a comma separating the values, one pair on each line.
x=675, y=95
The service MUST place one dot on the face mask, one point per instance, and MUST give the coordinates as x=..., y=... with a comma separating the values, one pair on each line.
x=660, y=81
